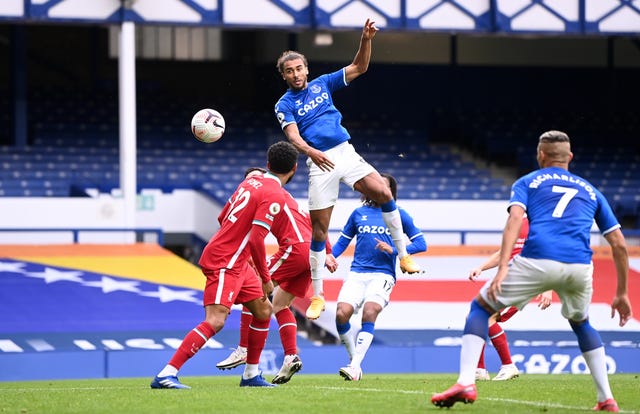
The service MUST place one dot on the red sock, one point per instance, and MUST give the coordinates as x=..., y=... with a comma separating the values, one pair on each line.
x=258, y=331
x=245, y=321
x=288, y=331
x=481, y=360
x=192, y=342
x=499, y=341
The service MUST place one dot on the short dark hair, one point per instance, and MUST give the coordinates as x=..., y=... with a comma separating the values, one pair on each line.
x=252, y=169
x=282, y=157
x=554, y=136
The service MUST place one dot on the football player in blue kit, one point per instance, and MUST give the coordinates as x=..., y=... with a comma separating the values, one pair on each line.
x=372, y=275
x=312, y=123
x=561, y=208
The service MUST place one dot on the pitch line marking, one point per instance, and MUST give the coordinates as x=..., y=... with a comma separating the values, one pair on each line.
x=506, y=400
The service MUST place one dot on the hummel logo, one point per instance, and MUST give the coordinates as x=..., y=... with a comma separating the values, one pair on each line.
x=231, y=295
x=364, y=218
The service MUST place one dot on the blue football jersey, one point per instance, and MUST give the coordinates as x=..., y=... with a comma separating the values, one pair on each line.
x=312, y=109
x=366, y=225
x=561, y=208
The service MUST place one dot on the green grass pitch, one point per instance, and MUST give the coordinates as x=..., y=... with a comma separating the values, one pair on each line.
x=314, y=394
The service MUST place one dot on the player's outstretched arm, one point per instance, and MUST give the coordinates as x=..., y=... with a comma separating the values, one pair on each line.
x=360, y=62
x=490, y=263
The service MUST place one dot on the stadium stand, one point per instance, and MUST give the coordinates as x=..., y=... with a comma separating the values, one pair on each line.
x=437, y=152
x=76, y=149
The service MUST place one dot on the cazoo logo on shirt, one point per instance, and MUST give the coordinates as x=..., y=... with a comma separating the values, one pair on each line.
x=313, y=103
x=374, y=230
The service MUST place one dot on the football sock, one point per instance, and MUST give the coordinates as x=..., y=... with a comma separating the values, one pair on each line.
x=499, y=340
x=476, y=329
x=344, y=332
x=317, y=257
x=477, y=322
x=469, y=355
x=391, y=217
x=596, y=361
x=192, y=342
x=363, y=342
x=592, y=349
x=168, y=370
x=245, y=320
x=288, y=331
x=588, y=337
x=481, y=360
x=250, y=371
x=258, y=331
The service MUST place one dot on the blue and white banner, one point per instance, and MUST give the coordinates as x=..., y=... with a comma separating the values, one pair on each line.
x=506, y=16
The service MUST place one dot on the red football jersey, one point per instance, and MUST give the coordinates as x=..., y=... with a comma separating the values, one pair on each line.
x=250, y=212
x=294, y=225
x=522, y=237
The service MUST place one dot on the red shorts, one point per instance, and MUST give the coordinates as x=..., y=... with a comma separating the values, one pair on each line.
x=507, y=313
x=227, y=287
x=290, y=269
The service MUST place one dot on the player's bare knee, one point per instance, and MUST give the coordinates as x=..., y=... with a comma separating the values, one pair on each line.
x=263, y=312
x=215, y=322
x=343, y=315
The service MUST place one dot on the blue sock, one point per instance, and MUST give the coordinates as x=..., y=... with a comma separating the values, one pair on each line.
x=343, y=327
x=588, y=337
x=388, y=206
x=318, y=246
x=368, y=327
x=477, y=321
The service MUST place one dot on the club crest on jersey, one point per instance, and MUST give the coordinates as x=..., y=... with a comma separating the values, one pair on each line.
x=315, y=89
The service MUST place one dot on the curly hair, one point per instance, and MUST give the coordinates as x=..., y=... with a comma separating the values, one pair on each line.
x=288, y=55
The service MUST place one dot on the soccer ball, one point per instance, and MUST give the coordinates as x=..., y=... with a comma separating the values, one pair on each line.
x=207, y=125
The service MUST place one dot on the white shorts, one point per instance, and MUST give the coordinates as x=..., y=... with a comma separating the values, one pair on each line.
x=527, y=278
x=349, y=168
x=359, y=288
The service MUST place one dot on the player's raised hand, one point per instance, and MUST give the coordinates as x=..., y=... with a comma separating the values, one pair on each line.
x=369, y=29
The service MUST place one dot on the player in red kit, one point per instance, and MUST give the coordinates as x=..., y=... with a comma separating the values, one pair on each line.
x=290, y=270
x=244, y=221
x=498, y=337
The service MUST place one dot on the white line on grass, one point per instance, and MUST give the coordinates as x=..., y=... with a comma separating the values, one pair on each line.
x=506, y=400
